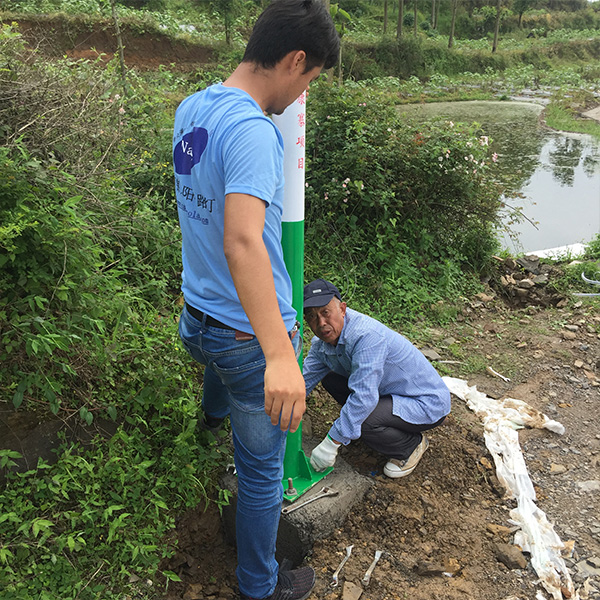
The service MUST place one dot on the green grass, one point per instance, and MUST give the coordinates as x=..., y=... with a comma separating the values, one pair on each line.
x=563, y=119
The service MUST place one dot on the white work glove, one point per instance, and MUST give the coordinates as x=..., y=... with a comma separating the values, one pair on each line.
x=324, y=454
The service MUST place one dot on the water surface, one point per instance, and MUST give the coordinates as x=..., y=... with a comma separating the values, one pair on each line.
x=554, y=176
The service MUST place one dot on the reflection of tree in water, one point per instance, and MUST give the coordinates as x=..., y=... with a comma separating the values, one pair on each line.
x=518, y=144
x=565, y=158
x=591, y=163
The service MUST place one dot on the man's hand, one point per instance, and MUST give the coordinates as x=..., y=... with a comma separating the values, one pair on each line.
x=285, y=393
x=324, y=454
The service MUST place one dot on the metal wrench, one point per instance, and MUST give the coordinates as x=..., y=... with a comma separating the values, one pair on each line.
x=322, y=494
x=335, y=579
x=367, y=576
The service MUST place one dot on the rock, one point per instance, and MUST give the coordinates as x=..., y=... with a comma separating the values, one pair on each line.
x=592, y=485
x=572, y=328
x=431, y=354
x=510, y=556
x=557, y=469
x=569, y=335
x=484, y=297
x=510, y=263
x=526, y=284
x=452, y=566
x=499, y=530
x=210, y=590
x=587, y=570
x=529, y=263
x=351, y=591
x=429, y=569
x=194, y=591
x=540, y=279
x=486, y=463
x=594, y=561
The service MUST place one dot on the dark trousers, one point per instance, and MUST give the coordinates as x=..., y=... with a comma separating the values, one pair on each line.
x=382, y=431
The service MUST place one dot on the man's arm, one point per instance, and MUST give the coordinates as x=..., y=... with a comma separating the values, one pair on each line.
x=368, y=358
x=313, y=370
x=252, y=274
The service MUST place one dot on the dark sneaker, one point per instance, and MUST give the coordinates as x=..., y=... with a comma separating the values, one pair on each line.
x=212, y=424
x=292, y=585
x=401, y=468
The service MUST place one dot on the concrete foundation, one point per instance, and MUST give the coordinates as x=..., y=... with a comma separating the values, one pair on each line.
x=299, y=529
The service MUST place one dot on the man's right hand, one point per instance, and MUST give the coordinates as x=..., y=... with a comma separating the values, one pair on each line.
x=285, y=393
x=252, y=273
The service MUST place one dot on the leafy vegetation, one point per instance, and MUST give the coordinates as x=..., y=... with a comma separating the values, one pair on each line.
x=416, y=205
x=89, y=261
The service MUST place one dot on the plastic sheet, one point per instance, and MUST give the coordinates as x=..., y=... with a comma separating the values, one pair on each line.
x=501, y=420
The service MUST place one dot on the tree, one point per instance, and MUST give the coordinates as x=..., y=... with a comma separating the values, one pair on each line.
x=226, y=10
x=385, y=16
x=415, y=14
x=452, y=23
x=400, y=19
x=497, y=25
x=340, y=18
x=522, y=6
x=113, y=7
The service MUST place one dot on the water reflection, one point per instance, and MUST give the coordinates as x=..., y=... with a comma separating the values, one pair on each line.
x=562, y=196
x=554, y=178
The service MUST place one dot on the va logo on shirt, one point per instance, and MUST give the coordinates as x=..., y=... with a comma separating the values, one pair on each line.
x=188, y=151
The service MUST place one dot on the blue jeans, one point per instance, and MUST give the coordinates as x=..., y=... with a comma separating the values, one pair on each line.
x=234, y=385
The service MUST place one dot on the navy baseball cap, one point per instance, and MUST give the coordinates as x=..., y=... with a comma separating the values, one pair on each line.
x=319, y=293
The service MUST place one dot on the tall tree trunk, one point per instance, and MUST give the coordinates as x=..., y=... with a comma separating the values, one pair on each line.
x=415, y=15
x=497, y=27
x=385, y=16
x=452, y=23
x=437, y=13
x=115, y=17
x=400, y=19
x=432, y=14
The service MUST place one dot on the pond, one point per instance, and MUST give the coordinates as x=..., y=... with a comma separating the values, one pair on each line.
x=555, y=176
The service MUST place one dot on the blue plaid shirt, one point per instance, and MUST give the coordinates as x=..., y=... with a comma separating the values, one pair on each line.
x=377, y=362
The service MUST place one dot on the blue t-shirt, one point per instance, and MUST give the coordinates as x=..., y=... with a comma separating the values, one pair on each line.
x=377, y=361
x=224, y=144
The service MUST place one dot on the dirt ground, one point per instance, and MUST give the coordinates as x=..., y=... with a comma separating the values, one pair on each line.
x=442, y=528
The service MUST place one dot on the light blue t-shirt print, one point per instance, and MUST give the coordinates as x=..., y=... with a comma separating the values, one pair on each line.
x=189, y=150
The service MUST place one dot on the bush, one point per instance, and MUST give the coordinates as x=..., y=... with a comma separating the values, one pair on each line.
x=398, y=207
x=89, y=276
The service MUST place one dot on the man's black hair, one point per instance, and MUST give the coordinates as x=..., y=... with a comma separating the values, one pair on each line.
x=290, y=25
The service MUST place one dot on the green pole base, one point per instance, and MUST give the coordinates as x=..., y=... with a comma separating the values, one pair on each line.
x=299, y=474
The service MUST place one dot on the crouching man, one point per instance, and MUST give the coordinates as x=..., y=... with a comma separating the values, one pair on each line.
x=388, y=391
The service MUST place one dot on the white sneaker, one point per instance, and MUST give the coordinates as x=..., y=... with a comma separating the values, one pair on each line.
x=401, y=468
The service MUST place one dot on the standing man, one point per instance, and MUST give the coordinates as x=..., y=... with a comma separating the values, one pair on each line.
x=388, y=390
x=238, y=318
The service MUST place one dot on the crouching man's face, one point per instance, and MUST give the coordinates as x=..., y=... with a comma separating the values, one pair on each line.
x=327, y=322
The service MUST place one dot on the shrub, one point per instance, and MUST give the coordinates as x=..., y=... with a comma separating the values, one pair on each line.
x=391, y=203
x=89, y=271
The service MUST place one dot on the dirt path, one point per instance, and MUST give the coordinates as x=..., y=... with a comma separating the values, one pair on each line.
x=443, y=527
